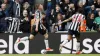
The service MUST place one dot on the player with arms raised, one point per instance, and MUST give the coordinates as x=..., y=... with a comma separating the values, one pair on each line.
x=38, y=27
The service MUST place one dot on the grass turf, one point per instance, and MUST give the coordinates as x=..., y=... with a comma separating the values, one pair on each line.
x=49, y=55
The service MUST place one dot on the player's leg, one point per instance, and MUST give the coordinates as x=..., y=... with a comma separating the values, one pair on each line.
x=31, y=37
x=78, y=43
x=67, y=40
x=45, y=34
x=47, y=42
x=70, y=33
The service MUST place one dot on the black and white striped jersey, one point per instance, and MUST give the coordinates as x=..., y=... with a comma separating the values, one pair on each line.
x=76, y=21
x=38, y=15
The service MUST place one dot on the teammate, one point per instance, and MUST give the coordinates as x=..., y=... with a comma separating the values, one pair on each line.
x=74, y=27
x=38, y=27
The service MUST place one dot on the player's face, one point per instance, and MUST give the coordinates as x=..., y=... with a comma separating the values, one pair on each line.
x=41, y=7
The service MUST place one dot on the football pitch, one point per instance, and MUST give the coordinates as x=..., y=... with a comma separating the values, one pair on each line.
x=49, y=55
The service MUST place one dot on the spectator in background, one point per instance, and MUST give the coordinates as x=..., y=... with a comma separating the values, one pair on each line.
x=3, y=14
x=97, y=21
x=83, y=1
x=97, y=5
x=74, y=2
x=89, y=2
x=68, y=9
x=9, y=5
x=58, y=27
x=59, y=20
x=26, y=6
x=25, y=26
x=4, y=10
x=55, y=12
x=53, y=4
x=90, y=9
x=31, y=2
x=48, y=15
x=65, y=6
x=90, y=21
x=17, y=9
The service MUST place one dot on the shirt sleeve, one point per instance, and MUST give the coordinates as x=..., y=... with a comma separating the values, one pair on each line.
x=36, y=15
x=73, y=16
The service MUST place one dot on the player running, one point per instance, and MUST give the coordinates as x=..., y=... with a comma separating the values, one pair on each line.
x=38, y=27
x=74, y=27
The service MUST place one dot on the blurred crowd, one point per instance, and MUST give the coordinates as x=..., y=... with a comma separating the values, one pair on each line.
x=17, y=15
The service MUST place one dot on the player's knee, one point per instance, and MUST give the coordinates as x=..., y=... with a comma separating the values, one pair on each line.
x=46, y=36
x=70, y=38
x=31, y=37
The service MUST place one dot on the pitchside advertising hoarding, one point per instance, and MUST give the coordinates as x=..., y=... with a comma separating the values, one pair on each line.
x=8, y=45
x=90, y=43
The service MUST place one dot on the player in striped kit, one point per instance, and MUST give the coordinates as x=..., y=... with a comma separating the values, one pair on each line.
x=74, y=27
x=38, y=27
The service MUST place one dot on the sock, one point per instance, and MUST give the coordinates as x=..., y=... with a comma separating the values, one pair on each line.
x=46, y=44
x=78, y=46
x=24, y=39
x=66, y=41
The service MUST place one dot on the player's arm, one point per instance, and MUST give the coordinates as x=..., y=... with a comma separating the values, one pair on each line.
x=67, y=20
x=64, y=21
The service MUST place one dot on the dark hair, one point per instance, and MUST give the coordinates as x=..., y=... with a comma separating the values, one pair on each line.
x=90, y=14
x=80, y=10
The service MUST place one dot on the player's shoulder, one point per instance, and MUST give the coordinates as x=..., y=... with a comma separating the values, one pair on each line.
x=37, y=11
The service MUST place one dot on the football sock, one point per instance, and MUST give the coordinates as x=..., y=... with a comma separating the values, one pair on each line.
x=24, y=39
x=46, y=43
x=66, y=41
x=78, y=46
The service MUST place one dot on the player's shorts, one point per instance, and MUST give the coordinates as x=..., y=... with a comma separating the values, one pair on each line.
x=41, y=31
x=76, y=33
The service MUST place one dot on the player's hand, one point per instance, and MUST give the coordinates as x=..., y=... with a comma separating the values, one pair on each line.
x=36, y=29
x=60, y=23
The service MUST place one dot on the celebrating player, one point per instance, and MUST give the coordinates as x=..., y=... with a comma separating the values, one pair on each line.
x=74, y=27
x=38, y=27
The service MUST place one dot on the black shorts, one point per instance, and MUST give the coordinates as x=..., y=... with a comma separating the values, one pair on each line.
x=41, y=31
x=76, y=33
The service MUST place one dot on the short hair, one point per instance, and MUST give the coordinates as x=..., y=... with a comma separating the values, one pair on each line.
x=80, y=10
x=37, y=6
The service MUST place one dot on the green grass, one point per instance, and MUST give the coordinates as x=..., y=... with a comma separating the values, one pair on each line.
x=49, y=55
